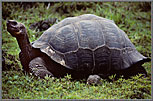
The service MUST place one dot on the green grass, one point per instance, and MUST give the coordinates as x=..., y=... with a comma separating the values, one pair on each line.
x=17, y=85
x=133, y=18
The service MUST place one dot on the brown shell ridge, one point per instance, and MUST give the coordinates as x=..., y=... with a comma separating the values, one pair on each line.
x=44, y=43
x=61, y=23
x=51, y=52
x=55, y=55
x=102, y=33
x=77, y=29
x=128, y=55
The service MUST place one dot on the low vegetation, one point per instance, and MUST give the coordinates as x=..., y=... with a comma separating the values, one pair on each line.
x=132, y=17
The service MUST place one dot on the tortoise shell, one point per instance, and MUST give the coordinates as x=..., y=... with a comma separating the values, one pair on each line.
x=88, y=42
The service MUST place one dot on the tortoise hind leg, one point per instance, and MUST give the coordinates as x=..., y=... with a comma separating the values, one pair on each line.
x=39, y=68
x=134, y=70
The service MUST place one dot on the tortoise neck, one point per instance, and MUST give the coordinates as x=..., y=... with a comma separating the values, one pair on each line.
x=24, y=44
x=26, y=50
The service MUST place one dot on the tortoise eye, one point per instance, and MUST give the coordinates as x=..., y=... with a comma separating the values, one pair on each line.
x=14, y=23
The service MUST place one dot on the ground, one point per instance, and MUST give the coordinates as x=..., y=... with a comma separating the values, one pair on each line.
x=132, y=17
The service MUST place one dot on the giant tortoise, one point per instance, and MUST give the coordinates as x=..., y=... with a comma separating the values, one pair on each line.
x=81, y=46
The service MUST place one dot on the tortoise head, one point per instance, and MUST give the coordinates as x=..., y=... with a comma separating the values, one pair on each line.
x=15, y=28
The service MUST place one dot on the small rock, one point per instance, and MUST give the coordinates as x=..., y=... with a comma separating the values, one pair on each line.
x=94, y=80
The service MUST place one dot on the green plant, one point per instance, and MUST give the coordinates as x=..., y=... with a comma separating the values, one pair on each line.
x=131, y=17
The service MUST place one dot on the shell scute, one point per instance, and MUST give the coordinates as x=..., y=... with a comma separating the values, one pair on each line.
x=89, y=43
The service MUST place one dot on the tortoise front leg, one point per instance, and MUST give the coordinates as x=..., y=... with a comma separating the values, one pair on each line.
x=38, y=67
